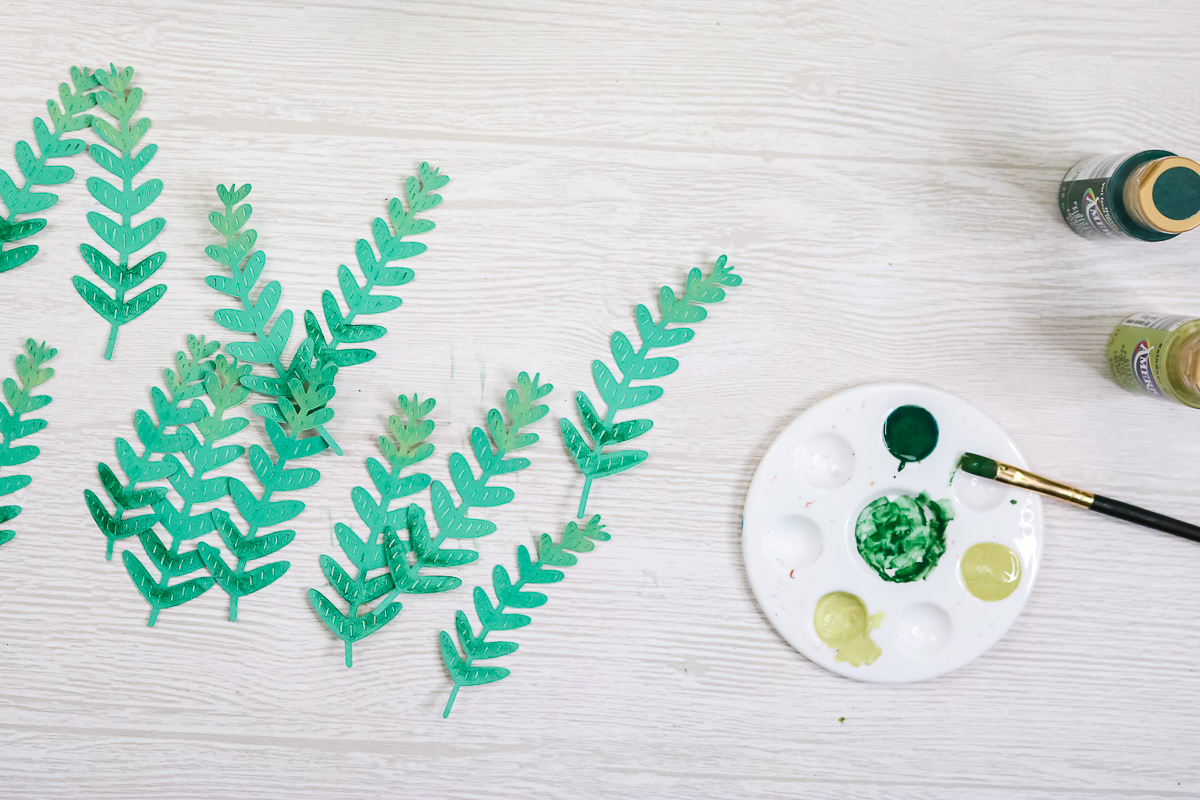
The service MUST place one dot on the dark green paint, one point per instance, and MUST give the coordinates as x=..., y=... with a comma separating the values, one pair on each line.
x=903, y=539
x=910, y=433
x=978, y=465
x=1177, y=193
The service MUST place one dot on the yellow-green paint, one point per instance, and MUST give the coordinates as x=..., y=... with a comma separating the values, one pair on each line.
x=842, y=623
x=990, y=571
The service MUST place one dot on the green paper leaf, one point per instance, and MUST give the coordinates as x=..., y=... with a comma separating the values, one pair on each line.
x=31, y=373
x=462, y=674
x=240, y=584
x=271, y=341
x=159, y=597
x=185, y=425
x=123, y=235
x=170, y=563
x=497, y=617
x=636, y=365
x=36, y=169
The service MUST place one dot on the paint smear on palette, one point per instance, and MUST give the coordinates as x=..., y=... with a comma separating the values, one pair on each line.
x=842, y=623
x=911, y=434
x=903, y=539
x=990, y=571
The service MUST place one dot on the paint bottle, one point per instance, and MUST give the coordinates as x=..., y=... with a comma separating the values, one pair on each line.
x=1153, y=195
x=1158, y=355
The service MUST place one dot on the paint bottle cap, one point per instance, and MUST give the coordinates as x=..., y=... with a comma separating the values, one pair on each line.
x=1164, y=194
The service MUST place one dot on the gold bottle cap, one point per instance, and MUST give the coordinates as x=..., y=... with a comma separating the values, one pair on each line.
x=1164, y=194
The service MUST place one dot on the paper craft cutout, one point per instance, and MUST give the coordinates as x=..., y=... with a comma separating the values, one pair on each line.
x=38, y=172
x=185, y=383
x=594, y=464
x=302, y=409
x=246, y=265
x=182, y=524
x=121, y=234
x=635, y=365
x=21, y=400
x=409, y=449
x=509, y=595
x=406, y=558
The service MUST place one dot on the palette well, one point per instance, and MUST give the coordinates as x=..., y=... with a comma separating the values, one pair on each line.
x=888, y=565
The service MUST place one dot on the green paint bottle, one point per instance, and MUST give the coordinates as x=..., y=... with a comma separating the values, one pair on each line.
x=1153, y=195
x=1158, y=355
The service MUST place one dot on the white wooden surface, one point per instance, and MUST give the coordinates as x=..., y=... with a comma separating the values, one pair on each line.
x=884, y=176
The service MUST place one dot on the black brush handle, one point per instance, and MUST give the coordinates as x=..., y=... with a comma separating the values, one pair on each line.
x=1115, y=508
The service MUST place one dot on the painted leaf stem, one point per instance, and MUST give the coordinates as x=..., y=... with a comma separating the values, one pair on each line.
x=185, y=384
x=636, y=365
x=20, y=399
x=123, y=135
x=510, y=594
x=77, y=98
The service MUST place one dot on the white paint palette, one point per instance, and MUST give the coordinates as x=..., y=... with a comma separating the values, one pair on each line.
x=798, y=531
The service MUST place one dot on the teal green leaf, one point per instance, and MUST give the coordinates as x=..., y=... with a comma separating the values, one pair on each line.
x=420, y=542
x=36, y=169
x=382, y=548
x=406, y=576
x=239, y=584
x=352, y=630
x=509, y=595
x=123, y=235
x=246, y=265
x=462, y=674
x=172, y=564
x=637, y=365
x=111, y=526
x=32, y=372
x=612, y=463
x=474, y=646
x=160, y=597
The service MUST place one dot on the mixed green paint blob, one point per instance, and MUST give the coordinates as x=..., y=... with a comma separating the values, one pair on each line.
x=910, y=433
x=903, y=539
x=990, y=571
x=842, y=622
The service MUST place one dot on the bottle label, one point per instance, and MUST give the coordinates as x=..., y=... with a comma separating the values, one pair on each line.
x=1084, y=197
x=1135, y=353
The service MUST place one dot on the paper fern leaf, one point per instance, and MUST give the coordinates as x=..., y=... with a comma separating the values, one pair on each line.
x=405, y=559
x=21, y=400
x=492, y=458
x=178, y=408
x=185, y=523
x=37, y=171
x=594, y=463
x=255, y=316
x=121, y=234
x=302, y=409
x=359, y=590
x=510, y=594
x=636, y=365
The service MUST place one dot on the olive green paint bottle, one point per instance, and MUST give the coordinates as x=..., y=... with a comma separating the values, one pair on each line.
x=1153, y=195
x=1158, y=355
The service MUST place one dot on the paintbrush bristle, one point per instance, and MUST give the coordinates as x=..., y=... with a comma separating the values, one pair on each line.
x=978, y=465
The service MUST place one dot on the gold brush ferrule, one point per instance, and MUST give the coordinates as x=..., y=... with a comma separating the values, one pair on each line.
x=1013, y=476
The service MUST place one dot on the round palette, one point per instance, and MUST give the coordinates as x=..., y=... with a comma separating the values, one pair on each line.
x=870, y=553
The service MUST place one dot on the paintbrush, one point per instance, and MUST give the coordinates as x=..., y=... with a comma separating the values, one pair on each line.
x=1024, y=479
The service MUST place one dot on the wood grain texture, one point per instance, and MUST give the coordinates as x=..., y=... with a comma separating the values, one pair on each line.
x=884, y=176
